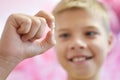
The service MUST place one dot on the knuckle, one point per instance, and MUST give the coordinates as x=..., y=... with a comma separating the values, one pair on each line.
x=42, y=12
x=43, y=19
x=28, y=21
x=51, y=17
x=25, y=27
x=12, y=15
x=25, y=30
x=37, y=23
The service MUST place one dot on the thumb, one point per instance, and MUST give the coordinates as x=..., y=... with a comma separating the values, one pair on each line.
x=49, y=40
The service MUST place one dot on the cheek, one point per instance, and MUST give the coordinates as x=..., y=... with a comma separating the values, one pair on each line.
x=60, y=50
x=99, y=50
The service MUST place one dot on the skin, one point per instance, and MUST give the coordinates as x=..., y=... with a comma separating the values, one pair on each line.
x=21, y=39
x=78, y=33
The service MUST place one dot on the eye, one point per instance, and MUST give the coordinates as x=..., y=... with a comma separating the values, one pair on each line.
x=64, y=35
x=91, y=33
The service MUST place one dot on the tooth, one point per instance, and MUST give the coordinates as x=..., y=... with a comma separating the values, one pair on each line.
x=78, y=59
x=81, y=59
x=75, y=60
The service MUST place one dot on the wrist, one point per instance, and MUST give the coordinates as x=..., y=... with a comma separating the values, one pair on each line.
x=6, y=66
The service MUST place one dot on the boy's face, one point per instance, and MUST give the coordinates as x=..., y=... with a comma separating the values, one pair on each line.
x=82, y=43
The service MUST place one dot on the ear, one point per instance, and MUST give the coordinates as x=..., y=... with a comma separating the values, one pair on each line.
x=110, y=41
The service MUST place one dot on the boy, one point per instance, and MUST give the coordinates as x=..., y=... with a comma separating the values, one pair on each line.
x=82, y=34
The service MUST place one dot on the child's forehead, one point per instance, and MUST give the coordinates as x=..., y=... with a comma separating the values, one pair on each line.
x=77, y=16
x=75, y=12
x=78, y=26
x=68, y=13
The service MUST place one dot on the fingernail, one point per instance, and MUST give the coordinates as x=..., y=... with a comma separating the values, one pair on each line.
x=53, y=25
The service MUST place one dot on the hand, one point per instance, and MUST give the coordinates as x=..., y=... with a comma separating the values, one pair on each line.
x=22, y=34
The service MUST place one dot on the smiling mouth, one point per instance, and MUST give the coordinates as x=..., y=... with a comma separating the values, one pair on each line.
x=80, y=59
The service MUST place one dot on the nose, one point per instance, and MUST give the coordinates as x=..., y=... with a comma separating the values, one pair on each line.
x=77, y=45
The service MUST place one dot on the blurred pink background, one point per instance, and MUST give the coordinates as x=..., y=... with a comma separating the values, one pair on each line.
x=46, y=66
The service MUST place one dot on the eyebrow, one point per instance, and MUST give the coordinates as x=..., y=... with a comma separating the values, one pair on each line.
x=91, y=27
x=63, y=29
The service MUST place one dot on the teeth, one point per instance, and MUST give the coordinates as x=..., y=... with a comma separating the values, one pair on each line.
x=79, y=59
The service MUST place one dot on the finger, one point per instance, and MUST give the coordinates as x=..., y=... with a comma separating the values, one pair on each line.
x=25, y=27
x=49, y=18
x=21, y=22
x=36, y=23
x=43, y=45
x=42, y=28
x=49, y=40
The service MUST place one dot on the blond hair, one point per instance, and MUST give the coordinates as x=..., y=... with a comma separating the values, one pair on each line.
x=92, y=6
